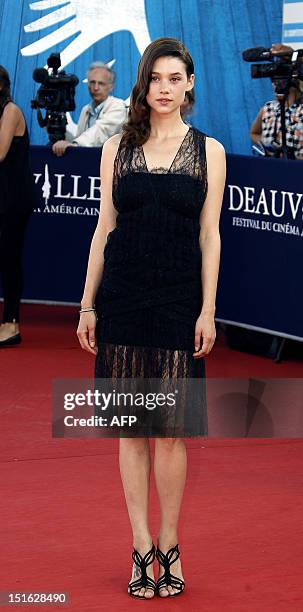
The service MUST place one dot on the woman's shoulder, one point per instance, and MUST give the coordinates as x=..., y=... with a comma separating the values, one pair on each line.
x=12, y=110
x=12, y=118
x=112, y=144
x=213, y=147
x=110, y=147
x=211, y=143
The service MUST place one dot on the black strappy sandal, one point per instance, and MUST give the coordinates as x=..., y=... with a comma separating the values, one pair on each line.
x=144, y=581
x=168, y=579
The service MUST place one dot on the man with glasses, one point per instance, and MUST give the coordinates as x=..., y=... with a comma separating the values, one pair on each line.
x=100, y=119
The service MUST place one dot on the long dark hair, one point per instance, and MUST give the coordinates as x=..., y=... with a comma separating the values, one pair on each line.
x=5, y=91
x=137, y=129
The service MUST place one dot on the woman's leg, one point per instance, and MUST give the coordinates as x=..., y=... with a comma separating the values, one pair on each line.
x=12, y=231
x=170, y=466
x=134, y=460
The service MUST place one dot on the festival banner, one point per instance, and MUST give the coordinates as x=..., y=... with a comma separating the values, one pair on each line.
x=260, y=280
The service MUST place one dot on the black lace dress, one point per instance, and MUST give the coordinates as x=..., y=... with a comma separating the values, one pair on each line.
x=150, y=295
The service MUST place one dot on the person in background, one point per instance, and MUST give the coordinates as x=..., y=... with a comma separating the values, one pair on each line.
x=100, y=119
x=16, y=205
x=266, y=128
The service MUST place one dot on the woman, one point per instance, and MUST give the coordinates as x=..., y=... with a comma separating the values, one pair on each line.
x=16, y=204
x=154, y=288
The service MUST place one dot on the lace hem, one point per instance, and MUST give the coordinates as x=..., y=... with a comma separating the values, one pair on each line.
x=150, y=373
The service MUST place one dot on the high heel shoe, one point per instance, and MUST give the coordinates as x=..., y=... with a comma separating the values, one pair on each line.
x=168, y=579
x=11, y=340
x=144, y=581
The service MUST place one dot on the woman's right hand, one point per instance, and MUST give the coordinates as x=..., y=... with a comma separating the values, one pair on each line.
x=86, y=332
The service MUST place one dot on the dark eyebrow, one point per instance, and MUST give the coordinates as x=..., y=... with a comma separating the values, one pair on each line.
x=171, y=74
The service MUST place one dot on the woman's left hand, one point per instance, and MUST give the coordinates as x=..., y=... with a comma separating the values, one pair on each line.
x=205, y=329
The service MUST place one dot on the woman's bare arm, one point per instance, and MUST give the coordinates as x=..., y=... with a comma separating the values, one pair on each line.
x=209, y=221
x=106, y=223
x=9, y=124
x=256, y=128
x=210, y=245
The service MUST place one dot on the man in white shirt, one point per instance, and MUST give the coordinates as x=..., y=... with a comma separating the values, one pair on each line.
x=100, y=119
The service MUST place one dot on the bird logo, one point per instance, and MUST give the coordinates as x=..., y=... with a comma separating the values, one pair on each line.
x=46, y=187
x=92, y=20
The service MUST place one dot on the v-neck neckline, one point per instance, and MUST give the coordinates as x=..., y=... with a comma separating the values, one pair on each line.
x=167, y=170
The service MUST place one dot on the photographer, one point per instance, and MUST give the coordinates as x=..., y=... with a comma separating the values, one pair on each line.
x=100, y=119
x=266, y=128
x=16, y=205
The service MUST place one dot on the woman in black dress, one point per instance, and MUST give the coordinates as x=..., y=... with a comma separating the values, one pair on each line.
x=16, y=205
x=151, y=281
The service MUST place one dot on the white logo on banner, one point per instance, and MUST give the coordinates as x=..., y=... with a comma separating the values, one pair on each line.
x=91, y=19
x=46, y=187
x=282, y=205
x=79, y=190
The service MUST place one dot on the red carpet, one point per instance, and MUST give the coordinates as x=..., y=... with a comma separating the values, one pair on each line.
x=64, y=524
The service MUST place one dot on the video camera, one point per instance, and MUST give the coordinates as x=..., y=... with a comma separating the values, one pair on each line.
x=285, y=69
x=56, y=95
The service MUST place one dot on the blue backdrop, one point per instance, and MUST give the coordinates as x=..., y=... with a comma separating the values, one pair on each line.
x=215, y=31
